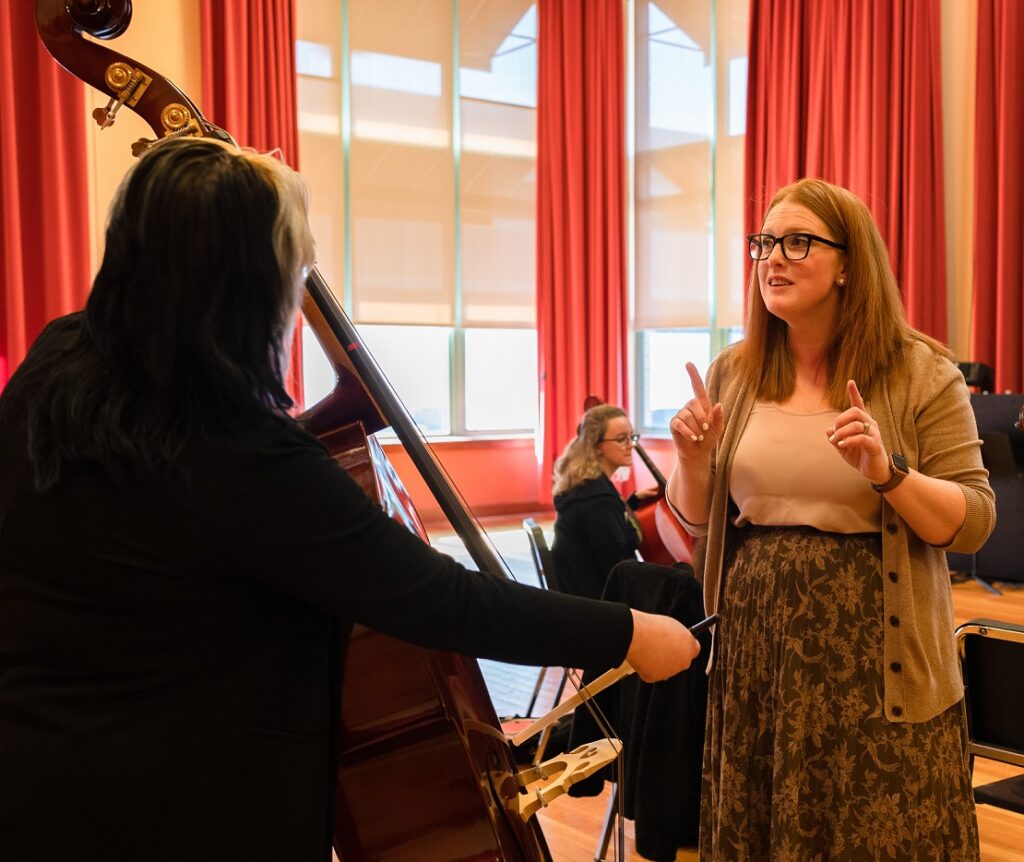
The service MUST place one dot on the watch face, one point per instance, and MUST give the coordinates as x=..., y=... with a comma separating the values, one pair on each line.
x=899, y=463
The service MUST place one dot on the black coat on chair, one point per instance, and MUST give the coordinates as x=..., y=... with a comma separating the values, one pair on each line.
x=661, y=724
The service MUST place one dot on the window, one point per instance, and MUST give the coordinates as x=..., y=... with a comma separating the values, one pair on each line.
x=688, y=84
x=662, y=355
x=501, y=379
x=418, y=136
x=418, y=139
x=417, y=362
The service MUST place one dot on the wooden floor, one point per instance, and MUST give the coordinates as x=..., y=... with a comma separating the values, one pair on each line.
x=572, y=826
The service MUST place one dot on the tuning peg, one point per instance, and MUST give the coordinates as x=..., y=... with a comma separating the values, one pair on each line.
x=104, y=117
x=104, y=19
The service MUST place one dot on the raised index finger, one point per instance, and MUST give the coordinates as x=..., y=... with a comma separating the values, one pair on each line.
x=699, y=392
x=854, y=393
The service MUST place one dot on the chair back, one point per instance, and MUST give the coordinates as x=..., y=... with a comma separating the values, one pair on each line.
x=992, y=658
x=541, y=554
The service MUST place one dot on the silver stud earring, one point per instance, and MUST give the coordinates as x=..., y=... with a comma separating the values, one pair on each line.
x=841, y=282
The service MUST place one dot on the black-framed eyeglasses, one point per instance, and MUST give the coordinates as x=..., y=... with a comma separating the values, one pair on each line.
x=795, y=246
x=622, y=439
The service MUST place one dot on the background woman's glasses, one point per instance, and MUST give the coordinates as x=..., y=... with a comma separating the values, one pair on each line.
x=622, y=439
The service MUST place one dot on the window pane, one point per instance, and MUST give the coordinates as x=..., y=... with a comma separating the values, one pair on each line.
x=674, y=131
x=737, y=95
x=318, y=376
x=415, y=359
x=498, y=177
x=501, y=379
x=732, y=17
x=376, y=111
x=498, y=52
x=401, y=168
x=665, y=383
x=318, y=66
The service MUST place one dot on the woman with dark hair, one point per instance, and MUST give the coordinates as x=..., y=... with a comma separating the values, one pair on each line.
x=828, y=466
x=593, y=527
x=186, y=327
x=176, y=553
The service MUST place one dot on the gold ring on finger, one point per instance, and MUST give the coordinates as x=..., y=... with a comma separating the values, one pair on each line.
x=867, y=427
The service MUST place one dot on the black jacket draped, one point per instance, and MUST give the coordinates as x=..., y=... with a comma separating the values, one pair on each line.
x=661, y=724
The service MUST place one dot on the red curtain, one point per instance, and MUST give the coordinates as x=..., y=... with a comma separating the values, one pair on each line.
x=850, y=91
x=581, y=275
x=249, y=89
x=44, y=197
x=998, y=326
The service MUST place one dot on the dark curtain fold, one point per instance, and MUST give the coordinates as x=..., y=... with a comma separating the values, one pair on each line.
x=44, y=196
x=997, y=333
x=582, y=310
x=850, y=91
x=249, y=89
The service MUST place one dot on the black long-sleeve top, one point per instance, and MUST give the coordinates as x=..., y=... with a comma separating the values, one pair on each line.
x=591, y=535
x=166, y=650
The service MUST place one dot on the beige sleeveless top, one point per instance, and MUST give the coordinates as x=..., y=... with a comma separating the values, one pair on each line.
x=785, y=473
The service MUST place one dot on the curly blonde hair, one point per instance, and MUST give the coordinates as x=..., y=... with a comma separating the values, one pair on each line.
x=579, y=461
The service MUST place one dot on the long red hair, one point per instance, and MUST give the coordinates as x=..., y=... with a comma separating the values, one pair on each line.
x=871, y=331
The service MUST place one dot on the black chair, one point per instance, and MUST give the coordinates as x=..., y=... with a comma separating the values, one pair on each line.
x=978, y=375
x=992, y=658
x=548, y=577
x=544, y=563
x=1003, y=456
x=541, y=553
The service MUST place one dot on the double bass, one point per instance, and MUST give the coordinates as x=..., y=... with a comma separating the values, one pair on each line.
x=664, y=540
x=424, y=770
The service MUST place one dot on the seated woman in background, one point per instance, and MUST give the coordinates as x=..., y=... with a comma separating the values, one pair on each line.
x=593, y=529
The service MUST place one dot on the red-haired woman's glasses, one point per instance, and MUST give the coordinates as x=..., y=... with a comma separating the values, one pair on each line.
x=795, y=246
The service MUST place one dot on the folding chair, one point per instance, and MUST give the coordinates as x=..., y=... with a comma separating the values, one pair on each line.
x=545, y=566
x=992, y=658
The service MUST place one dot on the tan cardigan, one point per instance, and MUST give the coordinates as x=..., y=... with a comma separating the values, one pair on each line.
x=925, y=413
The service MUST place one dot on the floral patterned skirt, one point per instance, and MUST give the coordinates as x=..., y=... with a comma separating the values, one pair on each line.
x=800, y=764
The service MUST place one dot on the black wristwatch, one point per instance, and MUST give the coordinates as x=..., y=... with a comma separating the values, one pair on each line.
x=900, y=471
